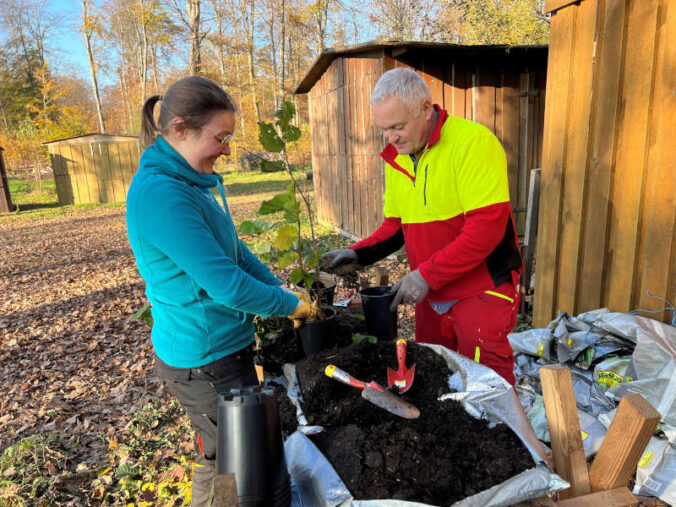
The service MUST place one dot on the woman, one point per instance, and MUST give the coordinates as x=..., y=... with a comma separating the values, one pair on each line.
x=203, y=282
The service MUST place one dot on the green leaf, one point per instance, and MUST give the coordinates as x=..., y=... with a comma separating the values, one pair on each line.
x=287, y=259
x=144, y=314
x=291, y=133
x=285, y=113
x=280, y=202
x=297, y=275
x=268, y=137
x=264, y=249
x=360, y=337
x=249, y=227
x=312, y=259
x=269, y=166
x=286, y=236
x=309, y=279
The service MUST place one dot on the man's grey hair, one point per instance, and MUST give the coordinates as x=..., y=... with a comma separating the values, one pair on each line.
x=405, y=84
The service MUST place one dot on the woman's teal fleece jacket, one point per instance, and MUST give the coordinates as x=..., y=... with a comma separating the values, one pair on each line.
x=204, y=284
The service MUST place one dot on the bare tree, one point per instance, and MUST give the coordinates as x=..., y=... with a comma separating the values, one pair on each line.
x=91, y=26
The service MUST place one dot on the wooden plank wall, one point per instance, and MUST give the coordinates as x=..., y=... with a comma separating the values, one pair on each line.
x=93, y=172
x=348, y=171
x=608, y=198
x=5, y=197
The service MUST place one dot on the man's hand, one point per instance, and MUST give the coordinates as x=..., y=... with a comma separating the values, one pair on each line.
x=331, y=260
x=409, y=290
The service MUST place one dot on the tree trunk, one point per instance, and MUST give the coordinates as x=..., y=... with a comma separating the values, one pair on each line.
x=195, y=40
x=249, y=30
x=88, y=32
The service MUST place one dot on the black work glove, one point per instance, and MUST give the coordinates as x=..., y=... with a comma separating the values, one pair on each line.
x=331, y=260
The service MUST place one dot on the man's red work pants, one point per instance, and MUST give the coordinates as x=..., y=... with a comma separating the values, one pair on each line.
x=476, y=327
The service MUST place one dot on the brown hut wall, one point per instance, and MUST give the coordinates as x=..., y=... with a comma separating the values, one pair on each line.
x=93, y=171
x=608, y=198
x=5, y=196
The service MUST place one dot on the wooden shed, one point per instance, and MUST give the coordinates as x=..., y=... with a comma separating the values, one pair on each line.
x=500, y=87
x=93, y=168
x=5, y=197
x=608, y=198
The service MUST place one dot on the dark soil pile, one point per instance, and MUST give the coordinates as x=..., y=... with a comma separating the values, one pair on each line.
x=280, y=344
x=444, y=456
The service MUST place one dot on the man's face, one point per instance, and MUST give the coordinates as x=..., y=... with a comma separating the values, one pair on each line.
x=406, y=132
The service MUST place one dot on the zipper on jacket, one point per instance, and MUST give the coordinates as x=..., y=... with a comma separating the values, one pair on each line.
x=425, y=186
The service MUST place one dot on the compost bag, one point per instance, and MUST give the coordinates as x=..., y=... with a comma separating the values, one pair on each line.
x=481, y=393
x=610, y=355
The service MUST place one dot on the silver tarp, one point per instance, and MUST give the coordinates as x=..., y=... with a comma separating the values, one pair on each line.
x=482, y=392
x=610, y=355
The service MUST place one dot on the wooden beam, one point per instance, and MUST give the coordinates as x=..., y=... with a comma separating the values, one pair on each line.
x=629, y=432
x=564, y=430
x=618, y=497
x=225, y=491
x=555, y=5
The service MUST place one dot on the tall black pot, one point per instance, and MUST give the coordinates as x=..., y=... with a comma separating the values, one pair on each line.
x=250, y=445
x=320, y=335
x=381, y=322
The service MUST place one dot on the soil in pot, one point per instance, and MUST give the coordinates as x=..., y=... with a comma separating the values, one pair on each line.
x=323, y=288
x=280, y=344
x=440, y=458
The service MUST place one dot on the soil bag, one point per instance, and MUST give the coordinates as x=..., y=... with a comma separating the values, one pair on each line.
x=655, y=471
x=482, y=393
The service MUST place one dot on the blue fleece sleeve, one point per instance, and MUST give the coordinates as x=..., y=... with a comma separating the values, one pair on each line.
x=170, y=219
x=255, y=267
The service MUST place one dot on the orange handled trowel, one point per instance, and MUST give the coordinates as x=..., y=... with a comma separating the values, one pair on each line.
x=375, y=394
x=403, y=377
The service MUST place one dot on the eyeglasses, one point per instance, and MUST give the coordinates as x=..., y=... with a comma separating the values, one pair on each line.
x=224, y=139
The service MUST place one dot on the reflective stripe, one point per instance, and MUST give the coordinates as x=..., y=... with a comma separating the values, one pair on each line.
x=477, y=354
x=498, y=295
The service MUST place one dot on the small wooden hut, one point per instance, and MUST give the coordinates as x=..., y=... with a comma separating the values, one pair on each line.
x=500, y=87
x=93, y=168
x=5, y=197
x=607, y=224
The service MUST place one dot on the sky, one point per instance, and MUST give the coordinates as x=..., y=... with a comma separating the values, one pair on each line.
x=67, y=47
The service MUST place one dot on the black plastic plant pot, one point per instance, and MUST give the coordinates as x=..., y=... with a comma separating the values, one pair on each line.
x=250, y=445
x=319, y=335
x=323, y=289
x=381, y=322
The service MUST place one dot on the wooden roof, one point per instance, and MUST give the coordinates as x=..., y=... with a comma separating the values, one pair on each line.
x=93, y=137
x=401, y=49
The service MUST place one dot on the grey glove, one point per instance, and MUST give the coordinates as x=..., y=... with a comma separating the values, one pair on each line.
x=336, y=258
x=409, y=290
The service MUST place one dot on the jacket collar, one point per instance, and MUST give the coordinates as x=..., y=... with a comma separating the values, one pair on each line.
x=161, y=157
x=389, y=154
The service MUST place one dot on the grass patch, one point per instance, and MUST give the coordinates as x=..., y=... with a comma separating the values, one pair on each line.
x=31, y=469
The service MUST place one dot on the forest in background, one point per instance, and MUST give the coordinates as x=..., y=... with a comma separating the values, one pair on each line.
x=258, y=50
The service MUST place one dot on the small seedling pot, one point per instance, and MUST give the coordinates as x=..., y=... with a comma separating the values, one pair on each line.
x=323, y=289
x=320, y=335
x=250, y=445
x=381, y=322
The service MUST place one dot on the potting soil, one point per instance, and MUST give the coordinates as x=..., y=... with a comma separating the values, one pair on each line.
x=280, y=344
x=440, y=458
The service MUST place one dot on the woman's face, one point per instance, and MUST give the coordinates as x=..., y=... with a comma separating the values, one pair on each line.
x=200, y=148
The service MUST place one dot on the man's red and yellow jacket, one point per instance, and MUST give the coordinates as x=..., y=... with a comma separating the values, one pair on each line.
x=451, y=209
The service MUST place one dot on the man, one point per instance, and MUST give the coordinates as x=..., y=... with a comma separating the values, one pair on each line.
x=447, y=201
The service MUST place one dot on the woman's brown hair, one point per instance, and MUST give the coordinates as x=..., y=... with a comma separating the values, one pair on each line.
x=194, y=99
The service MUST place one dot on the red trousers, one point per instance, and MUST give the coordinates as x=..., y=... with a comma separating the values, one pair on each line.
x=476, y=327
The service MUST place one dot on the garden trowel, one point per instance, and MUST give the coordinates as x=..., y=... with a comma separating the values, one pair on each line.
x=403, y=377
x=375, y=393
